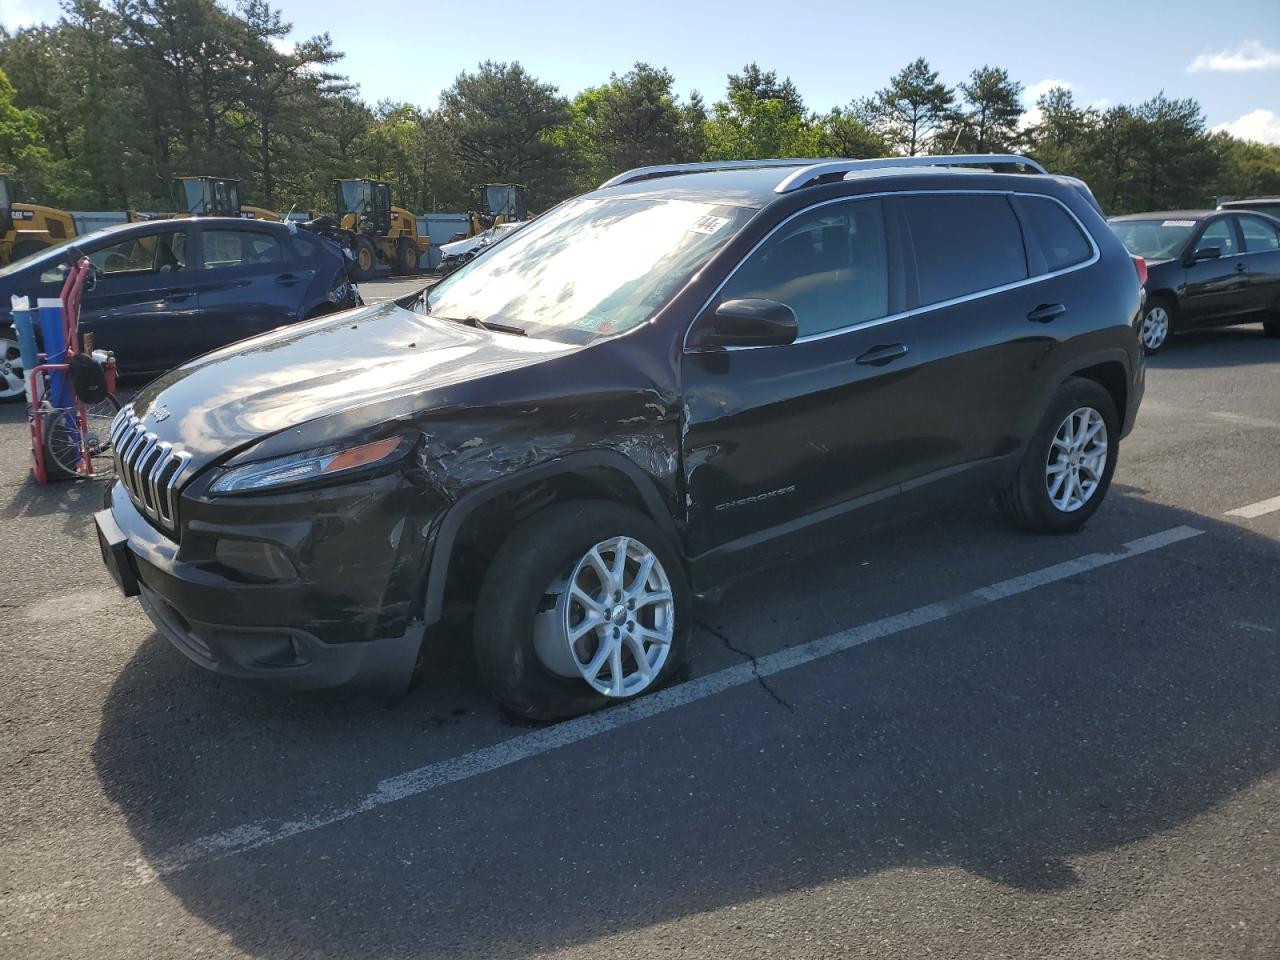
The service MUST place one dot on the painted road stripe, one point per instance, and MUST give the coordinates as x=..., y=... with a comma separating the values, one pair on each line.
x=263, y=833
x=1256, y=509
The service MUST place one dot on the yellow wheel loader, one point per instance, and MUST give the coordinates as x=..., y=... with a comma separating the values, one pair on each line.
x=214, y=197
x=499, y=203
x=27, y=228
x=375, y=235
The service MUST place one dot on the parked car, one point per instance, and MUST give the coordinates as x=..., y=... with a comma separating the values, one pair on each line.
x=168, y=290
x=1206, y=268
x=687, y=373
x=1267, y=205
x=457, y=252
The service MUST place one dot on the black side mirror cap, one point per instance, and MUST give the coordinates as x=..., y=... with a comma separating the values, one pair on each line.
x=749, y=323
x=1206, y=253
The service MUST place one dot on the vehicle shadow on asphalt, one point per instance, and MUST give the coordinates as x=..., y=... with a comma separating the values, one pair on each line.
x=1219, y=347
x=1005, y=742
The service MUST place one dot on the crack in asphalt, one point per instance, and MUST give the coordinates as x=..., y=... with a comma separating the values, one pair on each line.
x=751, y=658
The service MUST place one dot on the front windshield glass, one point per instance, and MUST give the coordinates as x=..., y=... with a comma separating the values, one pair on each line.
x=353, y=197
x=48, y=254
x=589, y=268
x=1154, y=239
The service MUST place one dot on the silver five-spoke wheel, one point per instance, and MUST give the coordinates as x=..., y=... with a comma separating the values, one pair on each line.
x=1077, y=459
x=609, y=620
x=1155, y=328
x=12, y=383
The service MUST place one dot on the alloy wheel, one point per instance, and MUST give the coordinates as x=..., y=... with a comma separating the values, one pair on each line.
x=12, y=382
x=1077, y=459
x=1155, y=328
x=609, y=620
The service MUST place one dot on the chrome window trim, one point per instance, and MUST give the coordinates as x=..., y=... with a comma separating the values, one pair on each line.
x=1095, y=256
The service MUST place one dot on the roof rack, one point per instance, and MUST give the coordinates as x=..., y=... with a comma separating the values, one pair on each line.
x=818, y=169
x=675, y=169
x=827, y=169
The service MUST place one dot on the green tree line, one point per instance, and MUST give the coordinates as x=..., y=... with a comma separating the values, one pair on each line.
x=101, y=108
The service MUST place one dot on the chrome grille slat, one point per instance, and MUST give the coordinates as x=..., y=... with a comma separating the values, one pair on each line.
x=149, y=468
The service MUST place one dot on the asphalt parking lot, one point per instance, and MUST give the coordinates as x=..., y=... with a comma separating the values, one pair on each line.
x=947, y=738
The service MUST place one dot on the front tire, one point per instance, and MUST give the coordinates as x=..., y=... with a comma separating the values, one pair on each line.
x=585, y=603
x=1157, y=324
x=1067, y=467
x=365, y=264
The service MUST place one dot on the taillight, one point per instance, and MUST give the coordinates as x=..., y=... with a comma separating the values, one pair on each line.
x=1141, y=266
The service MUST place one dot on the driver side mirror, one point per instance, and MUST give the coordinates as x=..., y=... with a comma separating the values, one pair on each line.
x=750, y=323
x=1206, y=253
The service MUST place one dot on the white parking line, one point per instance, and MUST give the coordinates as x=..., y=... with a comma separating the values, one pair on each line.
x=1256, y=509
x=433, y=776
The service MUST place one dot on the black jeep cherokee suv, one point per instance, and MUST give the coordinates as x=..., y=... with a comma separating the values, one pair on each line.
x=685, y=373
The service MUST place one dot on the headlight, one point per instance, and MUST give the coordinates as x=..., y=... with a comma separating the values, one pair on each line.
x=309, y=465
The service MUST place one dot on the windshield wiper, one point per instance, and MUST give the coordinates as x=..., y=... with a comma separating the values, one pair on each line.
x=487, y=325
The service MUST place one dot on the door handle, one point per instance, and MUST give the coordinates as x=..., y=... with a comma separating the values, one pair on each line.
x=879, y=356
x=1240, y=268
x=1046, y=313
x=286, y=279
x=177, y=296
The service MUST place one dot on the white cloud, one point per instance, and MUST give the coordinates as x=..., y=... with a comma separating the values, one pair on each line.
x=287, y=47
x=1261, y=125
x=1249, y=55
x=1032, y=93
x=14, y=15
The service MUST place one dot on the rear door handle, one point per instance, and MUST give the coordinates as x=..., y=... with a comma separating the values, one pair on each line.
x=1240, y=268
x=1046, y=313
x=286, y=279
x=879, y=356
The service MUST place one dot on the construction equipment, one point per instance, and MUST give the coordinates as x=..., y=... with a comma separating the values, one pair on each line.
x=214, y=197
x=499, y=203
x=27, y=228
x=374, y=234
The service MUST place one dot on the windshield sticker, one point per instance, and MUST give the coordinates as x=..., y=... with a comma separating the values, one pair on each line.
x=1178, y=223
x=708, y=224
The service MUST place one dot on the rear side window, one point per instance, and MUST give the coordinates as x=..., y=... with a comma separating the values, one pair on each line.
x=1259, y=235
x=1059, y=237
x=829, y=265
x=964, y=243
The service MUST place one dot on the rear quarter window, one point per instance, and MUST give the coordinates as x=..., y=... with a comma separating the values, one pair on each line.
x=1061, y=242
x=964, y=243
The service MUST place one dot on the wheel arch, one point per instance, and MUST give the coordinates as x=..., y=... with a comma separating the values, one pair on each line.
x=480, y=518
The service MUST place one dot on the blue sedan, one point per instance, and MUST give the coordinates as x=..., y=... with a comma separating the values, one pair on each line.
x=166, y=291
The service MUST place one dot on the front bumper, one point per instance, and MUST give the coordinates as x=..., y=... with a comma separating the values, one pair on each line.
x=340, y=605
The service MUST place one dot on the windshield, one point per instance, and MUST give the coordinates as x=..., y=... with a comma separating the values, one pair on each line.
x=353, y=197
x=1154, y=239
x=589, y=268
x=53, y=253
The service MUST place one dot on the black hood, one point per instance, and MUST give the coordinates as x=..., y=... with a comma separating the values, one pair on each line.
x=362, y=359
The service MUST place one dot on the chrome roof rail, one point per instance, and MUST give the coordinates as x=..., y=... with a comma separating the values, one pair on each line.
x=830, y=168
x=675, y=169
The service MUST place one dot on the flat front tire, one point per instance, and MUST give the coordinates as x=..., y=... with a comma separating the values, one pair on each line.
x=1067, y=467
x=584, y=604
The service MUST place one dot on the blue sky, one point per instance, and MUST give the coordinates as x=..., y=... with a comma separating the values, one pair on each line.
x=1227, y=55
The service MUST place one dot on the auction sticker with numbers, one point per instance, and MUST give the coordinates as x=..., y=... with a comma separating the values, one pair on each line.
x=708, y=224
x=1178, y=223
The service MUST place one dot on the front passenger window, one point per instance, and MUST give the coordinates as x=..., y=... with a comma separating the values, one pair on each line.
x=239, y=248
x=1218, y=234
x=829, y=265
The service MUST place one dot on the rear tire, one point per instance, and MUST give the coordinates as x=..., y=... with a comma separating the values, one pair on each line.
x=365, y=264
x=407, y=257
x=1157, y=325
x=529, y=604
x=1039, y=497
x=62, y=447
x=13, y=385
